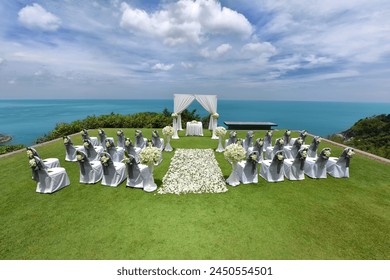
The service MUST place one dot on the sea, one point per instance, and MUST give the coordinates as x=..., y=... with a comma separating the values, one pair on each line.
x=27, y=120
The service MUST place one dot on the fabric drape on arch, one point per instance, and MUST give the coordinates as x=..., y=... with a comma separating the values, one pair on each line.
x=182, y=101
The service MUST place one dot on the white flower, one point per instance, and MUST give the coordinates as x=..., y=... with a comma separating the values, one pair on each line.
x=319, y=140
x=304, y=154
x=261, y=143
x=32, y=162
x=80, y=157
x=234, y=153
x=280, y=157
x=168, y=131
x=215, y=115
x=304, y=133
x=269, y=133
x=194, y=121
x=100, y=131
x=327, y=153
x=281, y=141
x=30, y=154
x=174, y=115
x=254, y=157
x=126, y=160
x=288, y=132
x=150, y=155
x=108, y=144
x=119, y=132
x=104, y=160
x=127, y=142
x=350, y=153
x=86, y=145
x=220, y=131
x=66, y=140
x=300, y=141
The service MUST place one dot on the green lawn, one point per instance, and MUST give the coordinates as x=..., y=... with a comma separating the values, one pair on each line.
x=310, y=219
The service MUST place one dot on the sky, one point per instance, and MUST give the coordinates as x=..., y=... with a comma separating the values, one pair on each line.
x=325, y=50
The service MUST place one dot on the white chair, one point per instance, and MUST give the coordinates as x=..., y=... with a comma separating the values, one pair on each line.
x=232, y=138
x=272, y=170
x=294, y=168
x=135, y=172
x=116, y=153
x=257, y=147
x=114, y=173
x=267, y=140
x=339, y=167
x=157, y=141
x=140, y=141
x=247, y=169
x=91, y=172
x=316, y=168
x=131, y=150
x=92, y=152
x=313, y=148
x=290, y=152
x=248, y=141
x=287, y=137
x=85, y=136
x=71, y=149
x=103, y=137
x=302, y=135
x=49, y=162
x=270, y=151
x=120, y=138
x=49, y=180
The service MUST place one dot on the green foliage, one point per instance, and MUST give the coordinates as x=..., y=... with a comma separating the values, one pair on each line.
x=10, y=148
x=370, y=134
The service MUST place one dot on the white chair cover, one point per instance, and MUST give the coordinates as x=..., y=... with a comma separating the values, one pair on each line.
x=116, y=153
x=312, y=152
x=102, y=137
x=114, y=173
x=136, y=173
x=157, y=141
x=272, y=170
x=290, y=152
x=131, y=150
x=232, y=138
x=140, y=141
x=271, y=151
x=120, y=139
x=294, y=168
x=248, y=141
x=339, y=167
x=92, y=152
x=247, y=169
x=287, y=137
x=71, y=149
x=48, y=162
x=267, y=140
x=257, y=147
x=316, y=168
x=90, y=171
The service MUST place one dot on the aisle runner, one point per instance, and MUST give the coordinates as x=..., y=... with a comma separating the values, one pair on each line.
x=193, y=171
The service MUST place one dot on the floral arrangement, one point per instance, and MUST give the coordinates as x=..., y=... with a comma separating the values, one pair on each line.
x=234, y=152
x=220, y=131
x=261, y=141
x=194, y=121
x=288, y=132
x=253, y=156
x=101, y=131
x=168, y=130
x=215, y=115
x=80, y=157
x=86, y=144
x=350, y=153
x=303, y=153
x=126, y=158
x=83, y=132
x=105, y=160
x=280, y=141
x=174, y=115
x=300, y=141
x=32, y=163
x=66, y=140
x=150, y=155
x=280, y=157
x=30, y=154
x=327, y=153
x=128, y=142
x=304, y=133
x=269, y=133
x=119, y=132
x=109, y=144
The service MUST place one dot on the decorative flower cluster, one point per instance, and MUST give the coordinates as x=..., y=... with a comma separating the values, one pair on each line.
x=32, y=163
x=327, y=153
x=150, y=155
x=220, y=131
x=30, y=154
x=119, y=132
x=193, y=171
x=105, y=160
x=168, y=131
x=66, y=140
x=269, y=133
x=280, y=141
x=100, y=131
x=83, y=132
x=288, y=132
x=280, y=156
x=128, y=142
x=300, y=141
x=215, y=115
x=194, y=121
x=234, y=153
x=174, y=115
x=303, y=153
x=350, y=153
x=80, y=157
x=86, y=144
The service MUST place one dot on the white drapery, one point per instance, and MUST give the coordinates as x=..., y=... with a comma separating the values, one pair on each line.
x=182, y=101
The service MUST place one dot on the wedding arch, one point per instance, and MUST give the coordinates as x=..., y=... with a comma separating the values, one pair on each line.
x=182, y=101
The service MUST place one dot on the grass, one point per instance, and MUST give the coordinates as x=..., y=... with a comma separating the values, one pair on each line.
x=310, y=219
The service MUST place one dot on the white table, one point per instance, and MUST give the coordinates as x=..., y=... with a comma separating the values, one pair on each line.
x=193, y=128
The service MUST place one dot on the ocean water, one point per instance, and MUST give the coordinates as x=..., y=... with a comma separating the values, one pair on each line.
x=26, y=120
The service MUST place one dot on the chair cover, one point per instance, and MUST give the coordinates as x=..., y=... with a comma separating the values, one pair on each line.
x=303, y=135
x=294, y=168
x=287, y=137
x=92, y=152
x=140, y=141
x=157, y=141
x=316, y=168
x=120, y=139
x=49, y=180
x=267, y=140
x=70, y=149
x=114, y=173
x=272, y=170
x=90, y=171
x=290, y=152
x=48, y=162
x=232, y=138
x=103, y=138
x=116, y=153
x=271, y=151
x=312, y=152
x=247, y=169
x=85, y=136
x=135, y=173
x=339, y=167
x=257, y=147
x=131, y=150
x=248, y=142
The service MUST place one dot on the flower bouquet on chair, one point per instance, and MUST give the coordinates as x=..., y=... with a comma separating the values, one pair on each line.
x=168, y=132
x=234, y=153
x=220, y=132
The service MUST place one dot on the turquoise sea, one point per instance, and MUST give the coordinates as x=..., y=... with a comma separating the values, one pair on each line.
x=26, y=120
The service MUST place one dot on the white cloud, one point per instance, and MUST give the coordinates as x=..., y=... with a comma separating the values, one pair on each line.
x=36, y=17
x=163, y=67
x=186, y=21
x=217, y=53
x=187, y=65
x=262, y=51
x=222, y=49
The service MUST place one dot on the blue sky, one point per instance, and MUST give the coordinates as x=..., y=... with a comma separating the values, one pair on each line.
x=246, y=49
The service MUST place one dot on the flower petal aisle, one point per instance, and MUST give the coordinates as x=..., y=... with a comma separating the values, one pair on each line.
x=193, y=171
